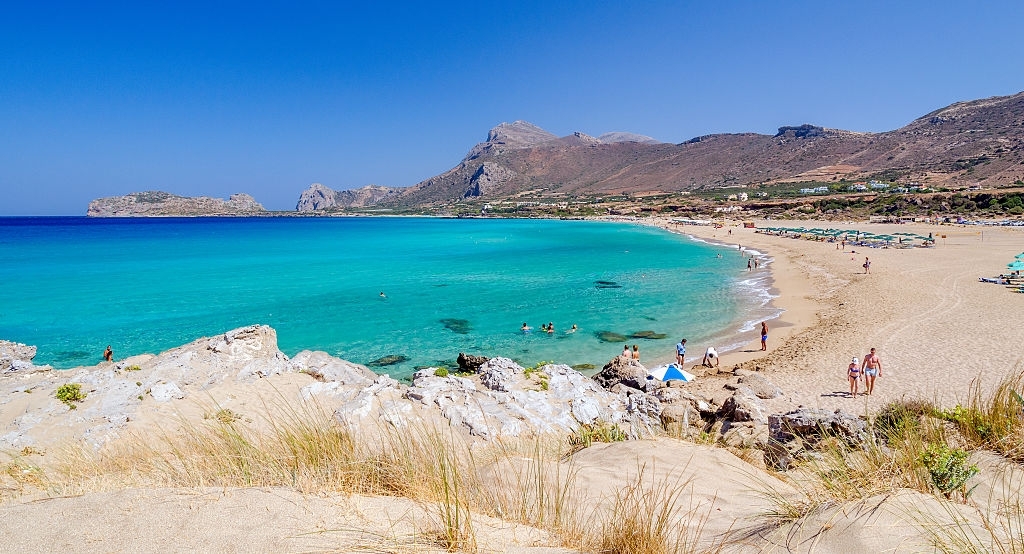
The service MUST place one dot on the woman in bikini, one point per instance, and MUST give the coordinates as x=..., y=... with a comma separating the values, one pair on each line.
x=853, y=372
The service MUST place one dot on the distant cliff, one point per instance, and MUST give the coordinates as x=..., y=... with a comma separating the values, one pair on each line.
x=319, y=198
x=158, y=203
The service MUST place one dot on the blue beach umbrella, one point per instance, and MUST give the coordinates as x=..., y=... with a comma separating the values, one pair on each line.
x=1016, y=266
x=670, y=372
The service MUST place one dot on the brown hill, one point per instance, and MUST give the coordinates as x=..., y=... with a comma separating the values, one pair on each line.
x=980, y=141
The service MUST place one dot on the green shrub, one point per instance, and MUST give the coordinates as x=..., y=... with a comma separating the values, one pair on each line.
x=69, y=393
x=948, y=469
x=900, y=417
x=133, y=368
x=441, y=372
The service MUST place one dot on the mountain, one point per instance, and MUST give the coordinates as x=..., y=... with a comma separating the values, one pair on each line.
x=158, y=203
x=318, y=197
x=967, y=143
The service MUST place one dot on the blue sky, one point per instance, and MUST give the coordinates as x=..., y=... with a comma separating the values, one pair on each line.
x=266, y=98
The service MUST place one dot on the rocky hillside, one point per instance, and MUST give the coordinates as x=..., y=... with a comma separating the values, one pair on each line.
x=980, y=141
x=157, y=203
x=319, y=197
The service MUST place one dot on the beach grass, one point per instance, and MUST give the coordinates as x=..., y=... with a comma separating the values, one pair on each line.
x=534, y=481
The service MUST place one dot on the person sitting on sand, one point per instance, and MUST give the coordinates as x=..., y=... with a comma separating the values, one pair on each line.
x=710, y=354
x=626, y=352
x=872, y=368
x=636, y=352
x=525, y=328
x=681, y=353
x=853, y=373
x=108, y=354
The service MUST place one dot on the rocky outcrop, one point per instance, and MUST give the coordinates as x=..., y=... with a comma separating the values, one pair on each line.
x=321, y=198
x=17, y=357
x=759, y=385
x=793, y=435
x=159, y=204
x=628, y=372
x=488, y=177
x=501, y=399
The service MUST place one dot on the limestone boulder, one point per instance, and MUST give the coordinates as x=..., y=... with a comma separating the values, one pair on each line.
x=760, y=386
x=813, y=424
x=744, y=405
x=627, y=372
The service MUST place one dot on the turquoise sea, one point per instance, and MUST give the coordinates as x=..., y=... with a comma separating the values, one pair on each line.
x=72, y=285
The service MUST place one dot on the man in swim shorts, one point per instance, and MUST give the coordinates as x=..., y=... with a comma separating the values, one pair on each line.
x=872, y=368
x=681, y=353
x=710, y=354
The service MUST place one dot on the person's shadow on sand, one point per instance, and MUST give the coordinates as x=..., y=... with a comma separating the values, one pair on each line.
x=836, y=394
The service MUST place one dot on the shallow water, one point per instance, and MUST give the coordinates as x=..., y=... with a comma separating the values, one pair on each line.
x=73, y=285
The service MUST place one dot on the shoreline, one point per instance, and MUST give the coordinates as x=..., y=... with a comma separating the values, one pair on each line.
x=793, y=317
x=937, y=329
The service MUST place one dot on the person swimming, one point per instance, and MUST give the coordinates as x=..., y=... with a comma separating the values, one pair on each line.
x=525, y=328
x=572, y=329
x=551, y=328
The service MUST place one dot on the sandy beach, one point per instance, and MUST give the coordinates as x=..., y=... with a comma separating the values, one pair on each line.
x=936, y=328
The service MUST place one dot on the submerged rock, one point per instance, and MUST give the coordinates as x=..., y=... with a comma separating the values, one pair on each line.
x=647, y=335
x=609, y=336
x=460, y=326
x=391, y=359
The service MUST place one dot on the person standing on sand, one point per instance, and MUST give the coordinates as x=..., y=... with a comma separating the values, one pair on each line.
x=108, y=354
x=872, y=368
x=867, y=265
x=853, y=373
x=681, y=353
x=764, y=336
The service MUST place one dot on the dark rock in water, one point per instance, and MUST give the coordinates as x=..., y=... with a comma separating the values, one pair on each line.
x=578, y=367
x=604, y=282
x=64, y=356
x=389, y=360
x=649, y=318
x=469, y=362
x=647, y=335
x=445, y=363
x=607, y=285
x=609, y=336
x=460, y=326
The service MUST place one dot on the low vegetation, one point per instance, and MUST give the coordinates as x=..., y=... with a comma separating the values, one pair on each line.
x=911, y=445
x=70, y=393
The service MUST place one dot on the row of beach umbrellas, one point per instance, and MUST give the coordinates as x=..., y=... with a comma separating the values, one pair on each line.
x=836, y=233
x=1017, y=264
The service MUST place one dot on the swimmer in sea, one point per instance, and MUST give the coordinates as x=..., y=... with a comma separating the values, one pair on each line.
x=382, y=295
x=525, y=328
x=108, y=354
x=571, y=330
x=551, y=328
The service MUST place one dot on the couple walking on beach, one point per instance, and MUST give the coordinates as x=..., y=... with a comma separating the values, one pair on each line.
x=868, y=370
